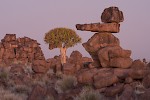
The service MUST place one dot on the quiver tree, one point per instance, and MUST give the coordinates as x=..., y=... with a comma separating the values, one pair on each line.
x=62, y=38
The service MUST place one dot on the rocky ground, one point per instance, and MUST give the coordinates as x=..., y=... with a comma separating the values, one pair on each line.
x=78, y=80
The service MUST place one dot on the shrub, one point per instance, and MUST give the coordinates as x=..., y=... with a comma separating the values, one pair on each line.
x=3, y=75
x=40, y=81
x=49, y=98
x=88, y=93
x=22, y=89
x=8, y=95
x=139, y=88
x=66, y=83
x=28, y=68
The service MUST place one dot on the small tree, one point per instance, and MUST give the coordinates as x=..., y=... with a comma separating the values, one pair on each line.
x=62, y=38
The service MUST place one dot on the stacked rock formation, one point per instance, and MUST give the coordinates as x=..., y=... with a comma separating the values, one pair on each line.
x=22, y=50
x=103, y=46
x=114, y=73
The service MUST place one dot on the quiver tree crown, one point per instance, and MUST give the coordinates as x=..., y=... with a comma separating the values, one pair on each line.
x=61, y=37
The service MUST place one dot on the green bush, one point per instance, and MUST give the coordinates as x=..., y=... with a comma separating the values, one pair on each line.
x=88, y=93
x=66, y=83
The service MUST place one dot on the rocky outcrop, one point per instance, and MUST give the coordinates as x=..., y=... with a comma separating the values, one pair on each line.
x=22, y=50
x=103, y=46
x=114, y=72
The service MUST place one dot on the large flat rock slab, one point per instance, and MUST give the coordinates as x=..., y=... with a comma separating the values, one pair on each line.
x=99, y=27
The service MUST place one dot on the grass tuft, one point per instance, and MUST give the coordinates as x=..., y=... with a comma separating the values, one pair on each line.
x=66, y=83
x=88, y=93
x=8, y=95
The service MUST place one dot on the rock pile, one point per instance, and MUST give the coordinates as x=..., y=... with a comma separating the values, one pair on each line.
x=22, y=50
x=115, y=73
x=74, y=63
x=103, y=46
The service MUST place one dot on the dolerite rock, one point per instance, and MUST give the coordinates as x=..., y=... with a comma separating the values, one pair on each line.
x=98, y=41
x=39, y=66
x=138, y=64
x=105, y=81
x=146, y=81
x=86, y=59
x=9, y=37
x=85, y=76
x=112, y=14
x=104, y=77
x=69, y=69
x=114, y=56
x=127, y=93
x=1, y=52
x=120, y=62
x=103, y=72
x=138, y=73
x=75, y=57
x=114, y=90
x=128, y=80
x=122, y=73
x=8, y=54
x=98, y=27
x=23, y=50
x=78, y=60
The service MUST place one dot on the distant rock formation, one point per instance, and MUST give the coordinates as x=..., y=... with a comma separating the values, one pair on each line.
x=103, y=46
x=22, y=50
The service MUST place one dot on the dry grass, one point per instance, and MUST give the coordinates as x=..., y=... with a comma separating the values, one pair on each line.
x=49, y=98
x=8, y=95
x=66, y=83
x=139, y=89
x=22, y=89
x=28, y=68
x=88, y=93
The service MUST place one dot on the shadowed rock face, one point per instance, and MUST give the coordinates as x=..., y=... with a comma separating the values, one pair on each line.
x=97, y=27
x=112, y=14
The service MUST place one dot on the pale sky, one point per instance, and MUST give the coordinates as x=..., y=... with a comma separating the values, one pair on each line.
x=33, y=18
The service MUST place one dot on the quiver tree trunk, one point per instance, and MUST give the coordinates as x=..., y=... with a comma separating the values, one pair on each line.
x=63, y=55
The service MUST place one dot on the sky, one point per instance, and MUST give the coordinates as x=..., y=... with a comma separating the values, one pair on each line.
x=33, y=18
